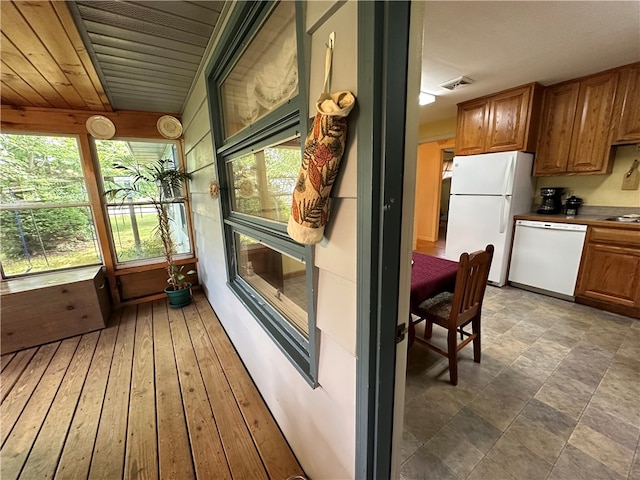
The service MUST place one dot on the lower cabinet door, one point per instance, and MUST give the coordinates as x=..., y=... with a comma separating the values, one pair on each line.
x=612, y=275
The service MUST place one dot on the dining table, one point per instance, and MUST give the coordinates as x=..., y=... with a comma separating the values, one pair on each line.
x=430, y=276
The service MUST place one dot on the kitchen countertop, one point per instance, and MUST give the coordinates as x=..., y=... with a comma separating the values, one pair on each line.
x=587, y=219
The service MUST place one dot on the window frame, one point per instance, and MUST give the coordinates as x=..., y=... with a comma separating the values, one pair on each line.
x=285, y=121
x=10, y=207
x=105, y=204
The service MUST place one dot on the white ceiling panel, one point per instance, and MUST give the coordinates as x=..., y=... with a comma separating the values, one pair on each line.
x=505, y=44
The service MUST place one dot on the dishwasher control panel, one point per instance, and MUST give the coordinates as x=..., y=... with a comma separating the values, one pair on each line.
x=552, y=225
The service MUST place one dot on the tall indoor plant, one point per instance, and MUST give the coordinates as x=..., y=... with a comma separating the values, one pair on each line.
x=159, y=182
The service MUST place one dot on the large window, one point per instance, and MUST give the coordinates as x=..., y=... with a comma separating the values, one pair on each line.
x=132, y=220
x=45, y=216
x=256, y=100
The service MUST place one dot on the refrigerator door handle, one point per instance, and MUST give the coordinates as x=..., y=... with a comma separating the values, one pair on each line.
x=506, y=190
x=503, y=212
x=509, y=176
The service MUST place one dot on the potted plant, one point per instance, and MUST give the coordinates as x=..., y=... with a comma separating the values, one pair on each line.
x=159, y=182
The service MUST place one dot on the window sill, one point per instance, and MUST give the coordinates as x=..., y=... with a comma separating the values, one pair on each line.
x=152, y=264
x=48, y=279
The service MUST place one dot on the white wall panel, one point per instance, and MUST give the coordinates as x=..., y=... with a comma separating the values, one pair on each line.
x=317, y=12
x=337, y=309
x=201, y=154
x=200, y=179
x=338, y=255
x=198, y=128
x=201, y=201
x=328, y=438
x=204, y=205
x=210, y=256
x=196, y=100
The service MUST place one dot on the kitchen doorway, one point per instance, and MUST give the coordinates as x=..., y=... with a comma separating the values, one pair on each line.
x=433, y=184
x=445, y=191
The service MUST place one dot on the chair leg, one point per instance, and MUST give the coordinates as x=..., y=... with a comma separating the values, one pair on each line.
x=428, y=328
x=452, y=350
x=475, y=326
x=412, y=331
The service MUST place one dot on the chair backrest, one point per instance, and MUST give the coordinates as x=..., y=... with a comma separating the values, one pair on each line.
x=471, y=283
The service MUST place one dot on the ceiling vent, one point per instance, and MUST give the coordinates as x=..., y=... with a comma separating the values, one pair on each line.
x=456, y=83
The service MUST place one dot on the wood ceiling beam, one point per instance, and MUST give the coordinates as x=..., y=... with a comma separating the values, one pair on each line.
x=129, y=124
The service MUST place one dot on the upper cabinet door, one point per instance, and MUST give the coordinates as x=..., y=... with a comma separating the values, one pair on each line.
x=556, y=125
x=508, y=117
x=591, y=139
x=502, y=122
x=471, y=128
x=629, y=93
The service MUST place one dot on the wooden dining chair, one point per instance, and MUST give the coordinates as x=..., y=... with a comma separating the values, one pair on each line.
x=454, y=311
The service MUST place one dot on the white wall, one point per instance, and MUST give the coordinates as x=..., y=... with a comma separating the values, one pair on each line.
x=318, y=423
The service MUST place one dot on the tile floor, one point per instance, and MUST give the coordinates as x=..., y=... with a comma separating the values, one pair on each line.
x=557, y=396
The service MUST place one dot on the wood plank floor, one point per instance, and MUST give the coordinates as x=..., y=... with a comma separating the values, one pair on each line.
x=159, y=393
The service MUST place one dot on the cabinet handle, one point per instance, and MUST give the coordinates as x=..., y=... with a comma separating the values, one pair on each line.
x=101, y=286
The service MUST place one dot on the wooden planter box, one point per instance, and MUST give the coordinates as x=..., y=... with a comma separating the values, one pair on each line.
x=48, y=307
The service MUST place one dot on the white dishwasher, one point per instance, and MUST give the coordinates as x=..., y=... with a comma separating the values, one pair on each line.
x=545, y=257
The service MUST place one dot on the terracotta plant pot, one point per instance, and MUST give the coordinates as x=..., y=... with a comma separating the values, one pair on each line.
x=179, y=298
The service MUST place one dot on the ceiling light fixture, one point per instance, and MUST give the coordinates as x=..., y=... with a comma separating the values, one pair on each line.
x=426, y=98
x=456, y=83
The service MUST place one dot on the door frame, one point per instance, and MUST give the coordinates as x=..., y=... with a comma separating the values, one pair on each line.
x=383, y=263
x=432, y=173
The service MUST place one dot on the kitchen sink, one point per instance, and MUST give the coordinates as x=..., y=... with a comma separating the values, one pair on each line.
x=624, y=219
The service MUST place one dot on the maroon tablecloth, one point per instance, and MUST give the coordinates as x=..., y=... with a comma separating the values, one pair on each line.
x=431, y=276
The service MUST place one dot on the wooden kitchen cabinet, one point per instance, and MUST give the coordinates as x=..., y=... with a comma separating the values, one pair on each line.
x=500, y=122
x=609, y=276
x=628, y=103
x=554, y=141
x=471, y=127
x=591, y=138
x=576, y=127
x=52, y=306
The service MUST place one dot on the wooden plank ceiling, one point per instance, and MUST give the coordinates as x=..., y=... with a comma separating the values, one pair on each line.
x=103, y=55
x=44, y=61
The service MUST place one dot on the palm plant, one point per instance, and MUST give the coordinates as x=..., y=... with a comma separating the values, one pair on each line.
x=158, y=183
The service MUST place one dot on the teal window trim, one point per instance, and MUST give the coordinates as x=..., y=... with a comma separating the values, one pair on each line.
x=285, y=121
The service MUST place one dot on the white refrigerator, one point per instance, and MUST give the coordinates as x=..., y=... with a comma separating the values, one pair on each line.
x=486, y=192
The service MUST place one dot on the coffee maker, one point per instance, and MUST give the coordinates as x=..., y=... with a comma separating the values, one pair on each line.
x=551, y=200
x=572, y=205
